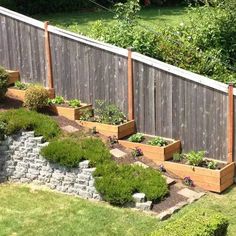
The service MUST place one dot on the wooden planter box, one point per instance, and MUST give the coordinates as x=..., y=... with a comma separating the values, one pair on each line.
x=13, y=76
x=70, y=112
x=20, y=94
x=119, y=131
x=155, y=153
x=212, y=180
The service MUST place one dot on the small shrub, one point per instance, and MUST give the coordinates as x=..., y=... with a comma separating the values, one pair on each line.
x=137, y=152
x=158, y=141
x=117, y=183
x=22, y=119
x=75, y=103
x=195, y=158
x=66, y=152
x=197, y=222
x=4, y=76
x=21, y=86
x=36, y=97
x=136, y=138
x=57, y=100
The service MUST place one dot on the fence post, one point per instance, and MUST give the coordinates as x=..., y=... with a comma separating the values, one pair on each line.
x=48, y=58
x=230, y=122
x=130, y=86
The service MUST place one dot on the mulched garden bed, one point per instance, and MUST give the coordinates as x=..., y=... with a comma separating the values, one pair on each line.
x=10, y=103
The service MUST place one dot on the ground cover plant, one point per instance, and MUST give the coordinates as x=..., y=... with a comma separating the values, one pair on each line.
x=22, y=119
x=59, y=100
x=3, y=82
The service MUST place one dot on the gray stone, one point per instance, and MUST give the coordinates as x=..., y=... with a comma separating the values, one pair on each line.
x=91, y=190
x=139, y=197
x=91, y=182
x=97, y=196
x=164, y=215
x=117, y=153
x=169, y=180
x=80, y=187
x=88, y=171
x=84, y=164
x=69, y=129
x=190, y=193
x=85, y=194
x=3, y=148
x=144, y=206
x=33, y=171
x=31, y=176
x=83, y=177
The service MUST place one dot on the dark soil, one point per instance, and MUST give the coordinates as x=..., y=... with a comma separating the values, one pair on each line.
x=10, y=103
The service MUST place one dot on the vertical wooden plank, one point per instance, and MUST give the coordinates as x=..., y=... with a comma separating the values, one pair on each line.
x=230, y=123
x=130, y=86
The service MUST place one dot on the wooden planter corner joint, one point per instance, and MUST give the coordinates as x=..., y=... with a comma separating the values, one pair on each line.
x=155, y=153
x=208, y=179
x=70, y=112
x=119, y=131
x=13, y=76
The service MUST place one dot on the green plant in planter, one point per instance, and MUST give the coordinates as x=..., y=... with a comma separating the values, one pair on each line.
x=75, y=103
x=108, y=113
x=195, y=158
x=86, y=115
x=136, y=138
x=158, y=141
x=4, y=76
x=3, y=127
x=178, y=157
x=212, y=165
x=57, y=100
x=21, y=86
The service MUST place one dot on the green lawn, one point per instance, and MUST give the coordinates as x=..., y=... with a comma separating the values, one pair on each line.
x=82, y=21
x=26, y=211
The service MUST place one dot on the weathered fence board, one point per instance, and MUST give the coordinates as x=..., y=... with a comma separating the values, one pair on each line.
x=168, y=101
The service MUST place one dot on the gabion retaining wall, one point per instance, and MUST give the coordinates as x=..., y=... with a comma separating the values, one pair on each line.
x=20, y=161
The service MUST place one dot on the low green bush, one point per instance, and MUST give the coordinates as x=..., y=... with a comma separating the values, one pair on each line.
x=70, y=151
x=4, y=76
x=137, y=138
x=22, y=119
x=200, y=222
x=36, y=97
x=117, y=183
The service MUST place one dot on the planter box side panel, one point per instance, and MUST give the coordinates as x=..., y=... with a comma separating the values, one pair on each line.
x=13, y=76
x=16, y=94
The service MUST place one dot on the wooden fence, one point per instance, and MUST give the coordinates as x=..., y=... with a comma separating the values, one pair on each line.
x=167, y=101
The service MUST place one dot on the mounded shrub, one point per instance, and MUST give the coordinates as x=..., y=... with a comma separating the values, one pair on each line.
x=117, y=183
x=36, y=97
x=4, y=76
x=196, y=223
x=69, y=152
x=22, y=119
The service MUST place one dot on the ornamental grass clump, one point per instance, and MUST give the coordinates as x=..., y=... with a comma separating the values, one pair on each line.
x=36, y=97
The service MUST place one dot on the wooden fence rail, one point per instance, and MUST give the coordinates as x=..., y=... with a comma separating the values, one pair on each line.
x=165, y=100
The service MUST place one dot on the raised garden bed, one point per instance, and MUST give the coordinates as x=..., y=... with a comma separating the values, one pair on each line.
x=216, y=180
x=13, y=76
x=155, y=153
x=69, y=112
x=119, y=131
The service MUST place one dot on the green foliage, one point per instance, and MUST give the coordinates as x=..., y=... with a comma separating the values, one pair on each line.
x=3, y=82
x=195, y=223
x=136, y=138
x=69, y=152
x=195, y=158
x=36, y=97
x=22, y=119
x=212, y=165
x=117, y=183
x=86, y=115
x=178, y=157
x=21, y=86
x=57, y=100
x=158, y=141
x=108, y=113
x=75, y=103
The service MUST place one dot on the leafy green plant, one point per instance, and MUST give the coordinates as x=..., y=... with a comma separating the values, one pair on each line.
x=178, y=157
x=75, y=103
x=86, y=115
x=22, y=119
x=36, y=97
x=195, y=158
x=21, y=86
x=158, y=141
x=136, y=138
x=108, y=113
x=4, y=76
x=57, y=100
x=212, y=165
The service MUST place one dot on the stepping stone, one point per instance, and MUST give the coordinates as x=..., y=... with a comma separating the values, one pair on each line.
x=117, y=153
x=139, y=163
x=190, y=194
x=70, y=129
x=139, y=197
x=169, y=180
